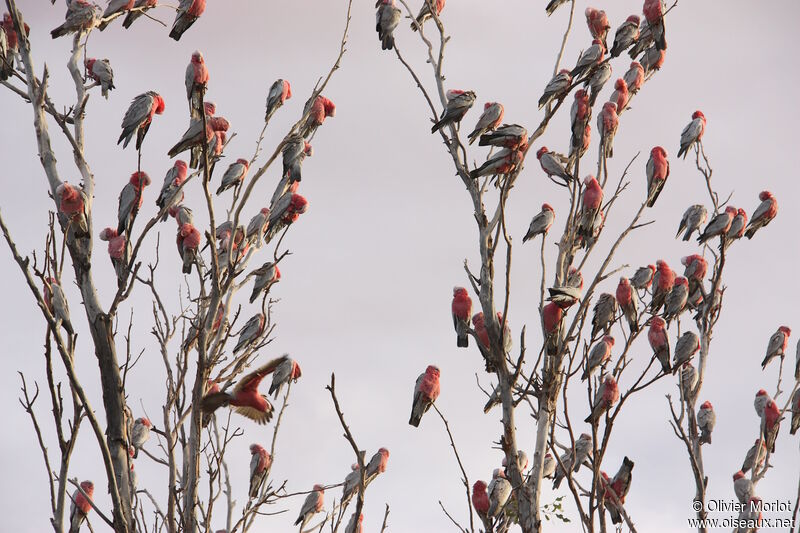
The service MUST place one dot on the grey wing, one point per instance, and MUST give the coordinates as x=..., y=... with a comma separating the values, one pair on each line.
x=254, y=460
x=138, y=111
x=127, y=198
x=690, y=132
x=278, y=210
x=761, y=210
x=189, y=80
x=103, y=70
x=775, y=342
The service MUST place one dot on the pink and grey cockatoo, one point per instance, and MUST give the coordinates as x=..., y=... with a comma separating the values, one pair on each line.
x=425, y=12
x=598, y=24
x=663, y=281
x=582, y=141
x=286, y=210
x=675, y=301
x=354, y=525
x=540, y=224
x=80, y=504
x=188, y=242
x=628, y=301
x=620, y=484
x=620, y=95
x=591, y=202
x=294, y=153
x=552, y=315
x=503, y=162
x=285, y=372
x=719, y=225
x=597, y=80
x=553, y=164
x=692, y=133
x=552, y=5
x=589, y=59
x=318, y=110
x=771, y=424
x=694, y=217
x=764, y=213
x=279, y=92
x=257, y=227
x=458, y=103
x=795, y=407
x=426, y=390
x=548, y=467
x=706, y=420
x=688, y=344
x=386, y=20
x=522, y=463
x=193, y=136
x=657, y=174
x=196, y=82
x=114, y=9
x=565, y=296
x=627, y=33
x=313, y=504
x=695, y=270
x=11, y=40
x=563, y=467
x=181, y=214
x=574, y=278
x=583, y=450
x=260, y=461
x=761, y=399
x=607, y=395
x=57, y=304
x=140, y=434
x=607, y=124
x=139, y=116
x=755, y=456
x=187, y=13
x=557, y=88
x=491, y=117
x=652, y=60
x=599, y=356
x=605, y=311
x=742, y=487
x=234, y=175
x=119, y=250
x=644, y=41
x=659, y=342
x=100, y=71
x=130, y=200
x=72, y=207
x=506, y=136
x=81, y=16
x=579, y=113
x=139, y=9
x=462, y=311
x=245, y=397
x=643, y=277
x=634, y=77
x=266, y=276
x=377, y=465
x=351, y=483
x=499, y=492
x=777, y=345
x=171, y=193
x=479, y=324
x=688, y=381
x=738, y=225
x=251, y=331
x=654, y=11
x=480, y=499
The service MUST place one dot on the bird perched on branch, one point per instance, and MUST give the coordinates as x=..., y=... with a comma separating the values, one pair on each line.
x=764, y=213
x=100, y=71
x=386, y=20
x=425, y=12
x=279, y=92
x=311, y=506
x=130, y=200
x=607, y=395
x=458, y=103
x=692, y=133
x=426, y=390
x=196, y=81
x=285, y=372
x=657, y=174
x=491, y=117
x=187, y=14
x=81, y=16
x=627, y=34
x=540, y=224
x=777, y=345
x=80, y=506
x=557, y=88
x=462, y=310
x=139, y=9
x=138, y=117
x=260, y=461
x=694, y=217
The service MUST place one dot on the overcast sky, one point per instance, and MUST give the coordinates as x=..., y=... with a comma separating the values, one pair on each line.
x=367, y=290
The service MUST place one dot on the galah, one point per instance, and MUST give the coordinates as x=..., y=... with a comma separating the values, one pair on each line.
x=130, y=200
x=599, y=356
x=755, y=456
x=480, y=499
x=620, y=95
x=694, y=217
x=522, y=463
x=540, y=224
x=557, y=88
x=738, y=225
x=795, y=412
x=652, y=60
x=245, y=397
x=706, y=420
x=719, y=225
x=692, y=133
x=187, y=13
x=119, y=250
x=494, y=400
x=458, y=103
x=139, y=9
x=491, y=117
x=548, y=466
x=742, y=487
x=181, y=214
x=764, y=213
x=675, y=301
x=171, y=193
x=80, y=506
x=580, y=113
x=583, y=450
x=114, y=9
x=377, y=465
x=188, y=242
x=57, y=304
x=643, y=277
x=313, y=504
x=598, y=24
x=607, y=395
x=286, y=210
x=234, y=176
x=100, y=71
x=644, y=41
x=252, y=329
x=777, y=345
x=553, y=164
x=552, y=5
x=663, y=281
x=620, y=484
x=771, y=424
x=597, y=81
x=194, y=137
x=654, y=14
x=634, y=77
x=6, y=56
x=279, y=92
x=760, y=402
x=318, y=110
x=562, y=468
x=659, y=342
x=386, y=20
x=696, y=269
x=260, y=461
x=506, y=136
x=196, y=81
x=629, y=303
x=351, y=483
x=285, y=372
x=294, y=153
x=354, y=525
x=503, y=162
x=688, y=344
x=688, y=381
x=81, y=16
x=462, y=310
x=426, y=390
x=627, y=34
x=499, y=493
x=478, y=323
x=565, y=296
x=257, y=226
x=657, y=174
x=552, y=315
x=605, y=311
x=140, y=434
x=580, y=143
x=591, y=202
x=72, y=206
x=589, y=59
x=607, y=124
x=133, y=479
x=138, y=117
x=574, y=278
x=425, y=12
x=265, y=277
